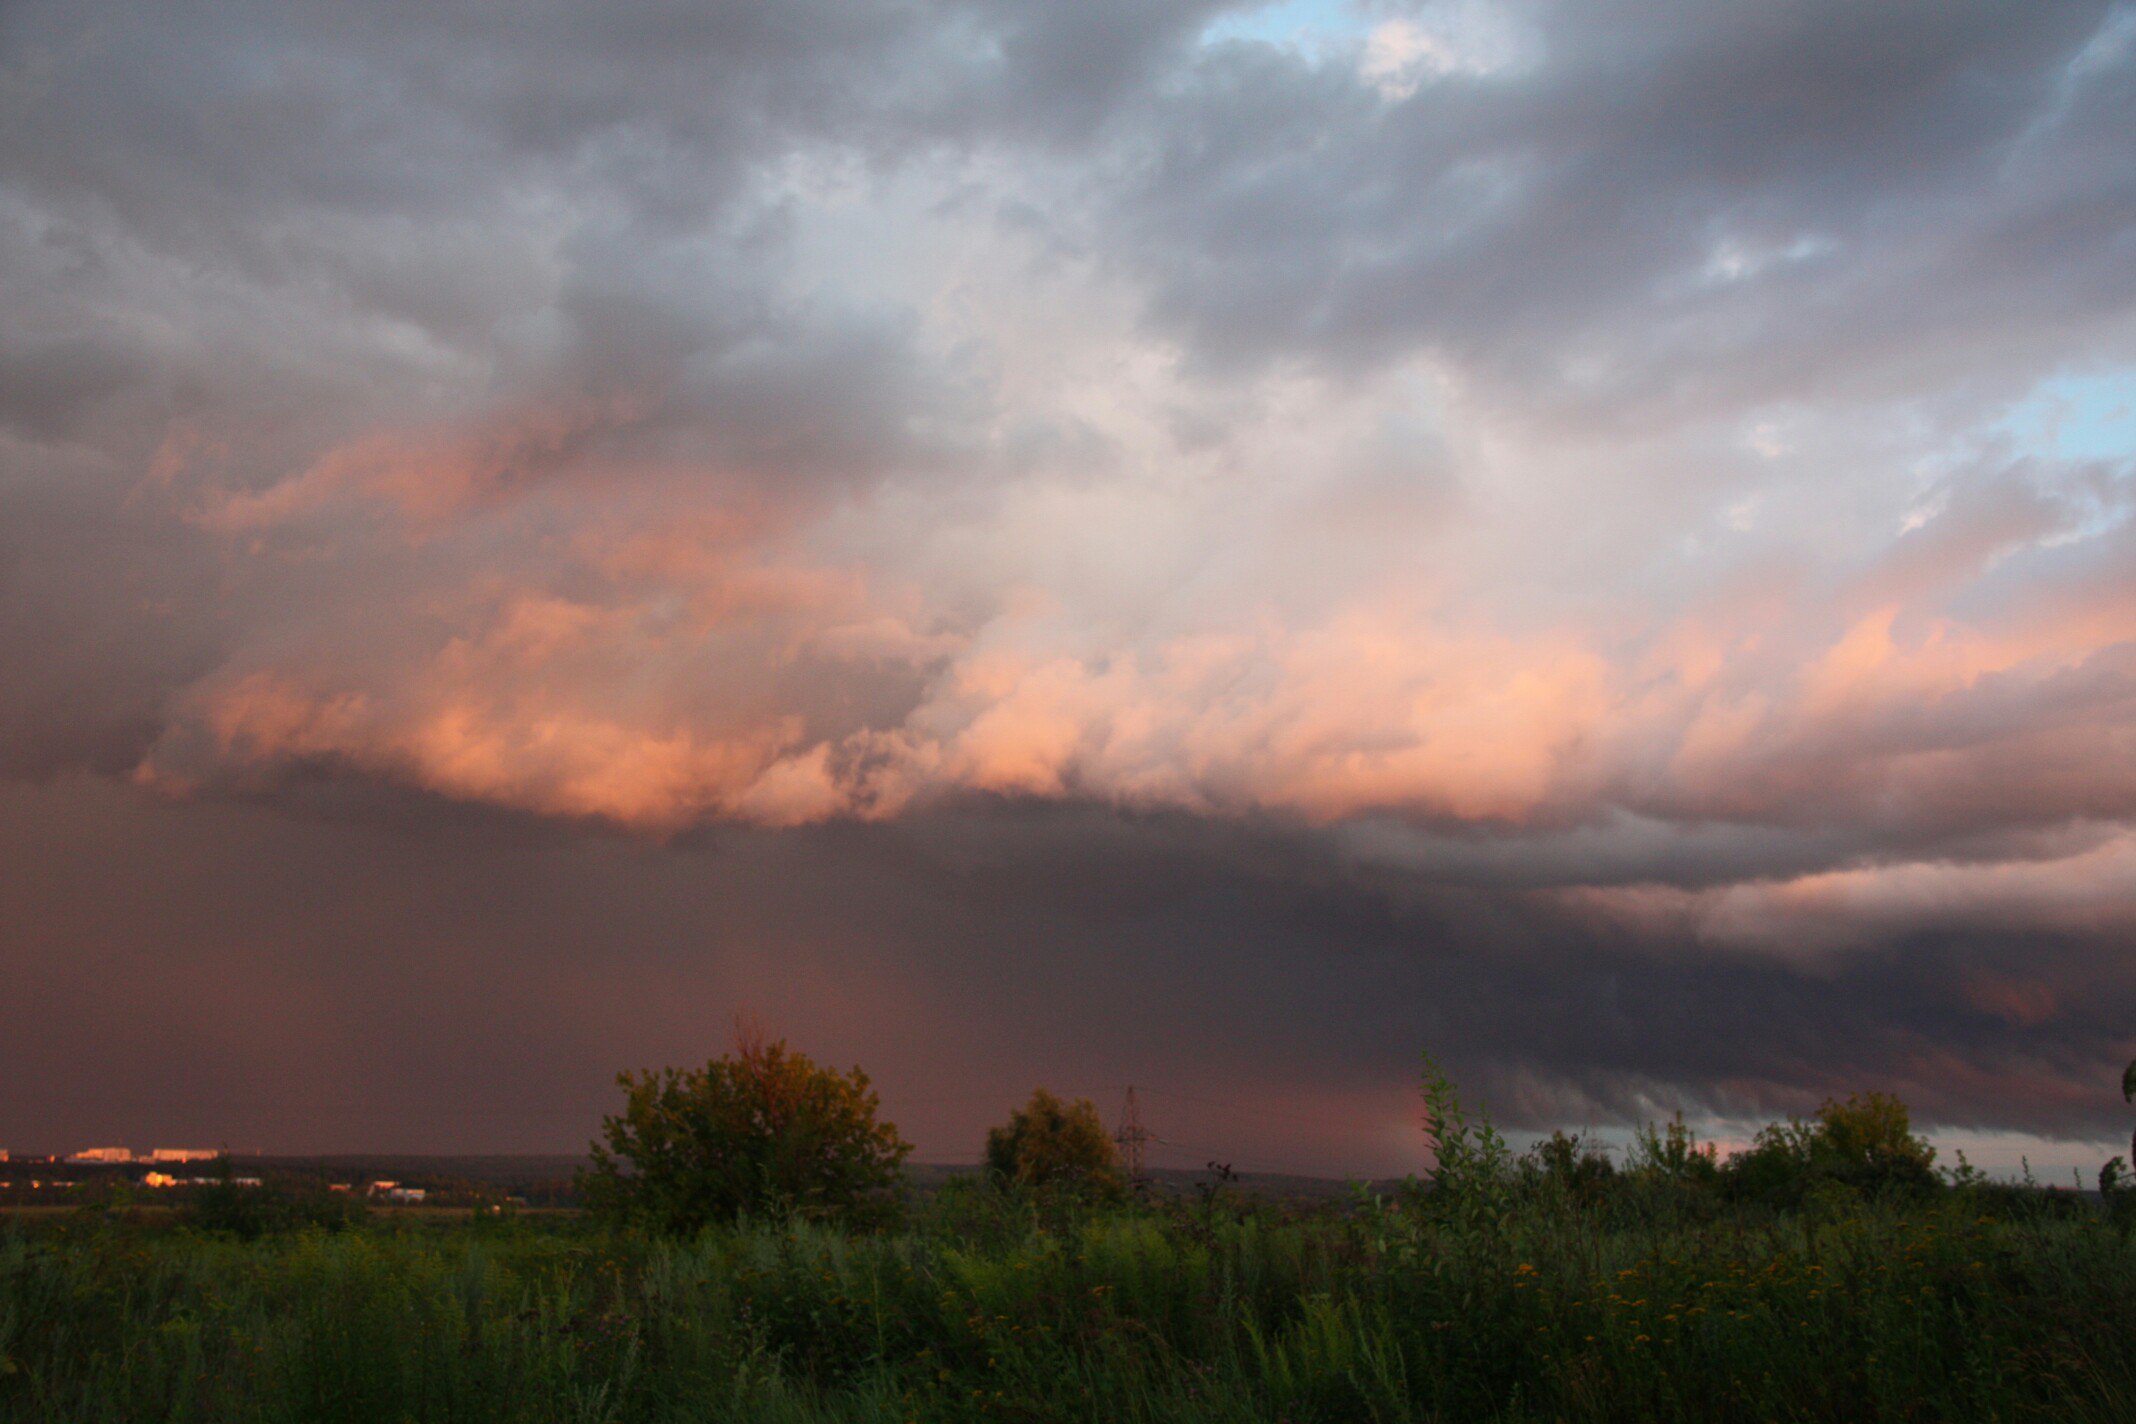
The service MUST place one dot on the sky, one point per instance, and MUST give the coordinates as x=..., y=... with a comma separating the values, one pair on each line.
x=1216, y=547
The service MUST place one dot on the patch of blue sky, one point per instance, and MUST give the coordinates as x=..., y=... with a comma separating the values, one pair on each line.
x=1310, y=26
x=2090, y=417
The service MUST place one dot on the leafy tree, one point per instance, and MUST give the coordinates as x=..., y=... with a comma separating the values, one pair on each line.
x=1872, y=1131
x=1050, y=1143
x=1865, y=1144
x=2116, y=1187
x=761, y=1130
x=2128, y=1095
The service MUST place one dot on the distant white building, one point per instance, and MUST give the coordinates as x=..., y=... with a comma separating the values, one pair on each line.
x=103, y=1154
x=183, y=1154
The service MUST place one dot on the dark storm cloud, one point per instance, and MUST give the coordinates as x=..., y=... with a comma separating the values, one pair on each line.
x=379, y=979
x=239, y=237
x=1677, y=200
x=48, y=392
x=98, y=627
x=348, y=170
x=1848, y=158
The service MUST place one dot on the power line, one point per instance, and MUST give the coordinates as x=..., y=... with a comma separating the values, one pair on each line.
x=1131, y=1135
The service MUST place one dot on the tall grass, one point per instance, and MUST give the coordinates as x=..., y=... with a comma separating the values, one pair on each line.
x=1650, y=1305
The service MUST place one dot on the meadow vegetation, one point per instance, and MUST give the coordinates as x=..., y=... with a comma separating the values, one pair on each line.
x=1827, y=1273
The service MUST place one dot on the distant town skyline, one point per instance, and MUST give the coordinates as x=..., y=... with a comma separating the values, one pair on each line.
x=1217, y=547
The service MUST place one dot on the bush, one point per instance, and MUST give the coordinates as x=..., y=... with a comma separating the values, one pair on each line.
x=1472, y=1168
x=1864, y=1146
x=1673, y=1153
x=229, y=1207
x=1047, y=1143
x=1569, y=1163
x=762, y=1130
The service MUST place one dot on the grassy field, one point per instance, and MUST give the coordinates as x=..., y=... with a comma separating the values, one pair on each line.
x=1641, y=1301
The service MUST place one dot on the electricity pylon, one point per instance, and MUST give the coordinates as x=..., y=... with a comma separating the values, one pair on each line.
x=1131, y=1135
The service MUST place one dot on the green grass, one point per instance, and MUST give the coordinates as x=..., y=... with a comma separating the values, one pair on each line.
x=1647, y=1306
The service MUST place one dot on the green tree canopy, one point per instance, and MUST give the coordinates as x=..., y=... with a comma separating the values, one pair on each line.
x=1050, y=1143
x=1872, y=1130
x=762, y=1129
x=1866, y=1143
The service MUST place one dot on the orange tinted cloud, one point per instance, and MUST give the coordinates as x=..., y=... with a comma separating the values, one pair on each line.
x=423, y=476
x=652, y=698
x=541, y=757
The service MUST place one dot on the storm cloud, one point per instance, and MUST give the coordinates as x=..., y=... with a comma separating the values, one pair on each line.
x=1212, y=546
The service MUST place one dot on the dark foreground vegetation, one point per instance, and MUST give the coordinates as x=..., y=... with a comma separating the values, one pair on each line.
x=1830, y=1273
x=1646, y=1304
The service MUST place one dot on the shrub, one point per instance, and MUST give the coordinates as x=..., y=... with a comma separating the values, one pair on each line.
x=1672, y=1152
x=1048, y=1143
x=2117, y=1193
x=761, y=1130
x=1863, y=1146
x=1471, y=1165
x=227, y=1206
x=1872, y=1130
x=1570, y=1163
